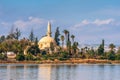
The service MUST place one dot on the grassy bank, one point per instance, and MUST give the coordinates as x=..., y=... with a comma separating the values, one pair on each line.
x=70, y=61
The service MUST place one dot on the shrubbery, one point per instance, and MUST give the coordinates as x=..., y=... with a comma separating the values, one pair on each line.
x=29, y=57
x=2, y=56
x=117, y=57
x=20, y=57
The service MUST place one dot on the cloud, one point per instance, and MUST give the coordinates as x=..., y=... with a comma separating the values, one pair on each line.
x=85, y=22
x=82, y=23
x=22, y=24
x=5, y=24
x=96, y=22
x=93, y=31
x=31, y=21
x=25, y=25
x=102, y=22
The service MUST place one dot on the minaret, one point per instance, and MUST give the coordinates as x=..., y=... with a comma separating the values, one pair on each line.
x=49, y=29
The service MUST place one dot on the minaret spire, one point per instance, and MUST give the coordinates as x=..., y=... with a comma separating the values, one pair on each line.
x=49, y=29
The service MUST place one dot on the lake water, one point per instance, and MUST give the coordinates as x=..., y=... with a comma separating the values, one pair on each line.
x=59, y=72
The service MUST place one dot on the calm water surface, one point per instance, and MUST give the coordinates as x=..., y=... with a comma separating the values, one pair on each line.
x=59, y=72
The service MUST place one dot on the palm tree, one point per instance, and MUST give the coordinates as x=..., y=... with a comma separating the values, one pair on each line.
x=75, y=47
x=111, y=46
x=66, y=35
x=86, y=49
x=72, y=36
x=62, y=39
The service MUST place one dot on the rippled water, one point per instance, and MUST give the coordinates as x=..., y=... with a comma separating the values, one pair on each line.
x=59, y=72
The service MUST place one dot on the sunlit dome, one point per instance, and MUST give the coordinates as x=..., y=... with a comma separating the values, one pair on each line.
x=47, y=41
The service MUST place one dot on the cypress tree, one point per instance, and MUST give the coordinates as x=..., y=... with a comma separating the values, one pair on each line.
x=57, y=34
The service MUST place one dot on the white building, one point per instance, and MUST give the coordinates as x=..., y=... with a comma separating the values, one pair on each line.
x=47, y=41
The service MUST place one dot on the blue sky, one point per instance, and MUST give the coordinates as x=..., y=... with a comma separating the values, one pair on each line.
x=89, y=20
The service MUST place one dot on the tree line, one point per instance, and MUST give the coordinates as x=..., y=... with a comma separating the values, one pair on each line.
x=68, y=48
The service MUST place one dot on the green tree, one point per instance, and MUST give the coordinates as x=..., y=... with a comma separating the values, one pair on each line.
x=11, y=45
x=101, y=48
x=31, y=36
x=64, y=55
x=17, y=33
x=10, y=36
x=69, y=46
x=23, y=44
x=57, y=34
x=34, y=50
x=117, y=56
x=111, y=46
x=68, y=43
x=72, y=37
x=91, y=53
x=75, y=47
x=29, y=57
x=36, y=41
x=62, y=39
x=111, y=55
x=66, y=35
x=2, y=38
x=20, y=57
x=3, y=56
x=103, y=43
x=85, y=49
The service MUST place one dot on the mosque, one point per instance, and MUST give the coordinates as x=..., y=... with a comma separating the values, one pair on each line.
x=47, y=41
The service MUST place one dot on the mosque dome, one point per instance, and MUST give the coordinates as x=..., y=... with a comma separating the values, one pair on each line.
x=47, y=41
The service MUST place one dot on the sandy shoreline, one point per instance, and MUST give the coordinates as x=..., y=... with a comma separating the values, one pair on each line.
x=74, y=61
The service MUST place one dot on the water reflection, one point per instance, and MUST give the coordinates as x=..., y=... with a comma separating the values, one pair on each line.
x=59, y=72
x=55, y=72
x=44, y=72
x=30, y=72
